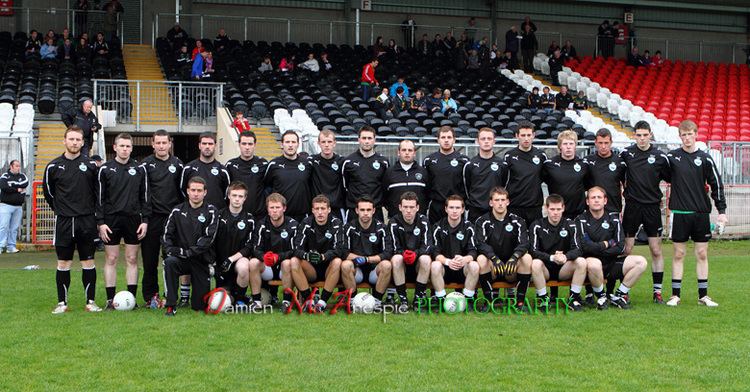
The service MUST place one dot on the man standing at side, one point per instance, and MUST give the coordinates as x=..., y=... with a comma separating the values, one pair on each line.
x=13, y=185
x=86, y=120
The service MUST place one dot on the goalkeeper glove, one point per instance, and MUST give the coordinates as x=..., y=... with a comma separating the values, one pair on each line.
x=270, y=258
x=360, y=260
x=409, y=257
x=498, y=267
x=313, y=257
x=226, y=264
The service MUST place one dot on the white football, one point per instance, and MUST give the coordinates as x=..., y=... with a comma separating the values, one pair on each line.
x=454, y=302
x=363, y=303
x=124, y=300
x=219, y=301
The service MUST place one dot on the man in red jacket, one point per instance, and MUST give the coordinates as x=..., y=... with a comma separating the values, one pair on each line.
x=368, y=78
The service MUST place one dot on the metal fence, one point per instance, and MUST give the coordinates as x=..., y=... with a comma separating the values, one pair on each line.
x=733, y=161
x=158, y=102
x=42, y=19
x=296, y=30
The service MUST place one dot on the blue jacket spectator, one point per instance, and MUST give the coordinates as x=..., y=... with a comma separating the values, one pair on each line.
x=48, y=50
x=197, y=67
x=448, y=104
x=399, y=83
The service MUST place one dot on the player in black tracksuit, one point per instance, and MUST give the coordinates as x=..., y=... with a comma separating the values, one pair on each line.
x=70, y=190
x=187, y=246
x=251, y=171
x=503, y=244
x=606, y=170
x=318, y=249
x=369, y=249
x=290, y=177
x=326, y=174
x=122, y=213
x=523, y=175
x=444, y=174
x=405, y=176
x=362, y=173
x=647, y=166
x=163, y=172
x=481, y=174
x=233, y=247
x=412, y=246
x=211, y=170
x=691, y=171
x=602, y=243
x=567, y=177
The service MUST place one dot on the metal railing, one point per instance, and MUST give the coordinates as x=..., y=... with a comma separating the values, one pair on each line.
x=42, y=19
x=296, y=30
x=158, y=102
x=732, y=160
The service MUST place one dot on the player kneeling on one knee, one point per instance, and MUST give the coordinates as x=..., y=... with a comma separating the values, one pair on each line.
x=317, y=252
x=556, y=253
x=273, y=244
x=503, y=243
x=409, y=231
x=455, y=252
x=602, y=243
x=369, y=251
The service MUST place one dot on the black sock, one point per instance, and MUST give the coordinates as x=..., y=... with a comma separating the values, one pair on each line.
x=274, y=290
x=485, y=282
x=589, y=290
x=401, y=290
x=325, y=295
x=184, y=291
x=420, y=290
x=554, y=291
x=287, y=296
x=658, y=277
x=676, y=287
x=256, y=297
x=523, y=286
x=611, y=285
x=242, y=293
x=305, y=294
x=702, y=288
x=133, y=288
x=110, y=293
x=62, y=278
x=377, y=294
x=88, y=278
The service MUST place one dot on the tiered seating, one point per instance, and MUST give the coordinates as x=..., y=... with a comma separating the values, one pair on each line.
x=715, y=96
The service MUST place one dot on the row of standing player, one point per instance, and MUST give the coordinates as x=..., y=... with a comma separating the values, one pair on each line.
x=367, y=173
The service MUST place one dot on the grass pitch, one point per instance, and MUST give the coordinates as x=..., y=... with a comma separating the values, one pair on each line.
x=649, y=347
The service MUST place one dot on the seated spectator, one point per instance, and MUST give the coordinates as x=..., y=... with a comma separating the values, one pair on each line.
x=510, y=61
x=548, y=100
x=472, y=62
x=448, y=104
x=266, y=65
x=311, y=64
x=503, y=61
x=552, y=48
x=393, y=49
x=646, y=58
x=449, y=42
x=197, y=71
x=287, y=64
x=198, y=49
x=563, y=99
x=568, y=52
x=383, y=104
x=83, y=51
x=399, y=102
x=48, y=50
x=434, y=103
x=67, y=51
x=325, y=64
x=221, y=41
x=240, y=123
x=423, y=46
x=657, y=60
x=177, y=36
x=580, y=102
x=100, y=46
x=63, y=36
x=437, y=48
x=378, y=49
x=33, y=45
x=208, y=65
x=50, y=35
x=399, y=83
x=634, y=58
x=555, y=65
x=534, y=101
x=418, y=102
x=183, y=57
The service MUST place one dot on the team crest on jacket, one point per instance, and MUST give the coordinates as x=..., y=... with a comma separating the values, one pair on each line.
x=215, y=171
x=612, y=166
x=241, y=225
x=460, y=236
x=508, y=227
x=201, y=218
x=284, y=234
x=577, y=167
x=494, y=166
x=172, y=169
x=335, y=166
x=454, y=162
x=536, y=160
x=376, y=165
x=82, y=167
x=697, y=161
x=651, y=159
x=605, y=225
x=328, y=235
x=563, y=233
x=301, y=167
x=418, y=176
x=131, y=171
x=254, y=169
x=373, y=238
x=417, y=231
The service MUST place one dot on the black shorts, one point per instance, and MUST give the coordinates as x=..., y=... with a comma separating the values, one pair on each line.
x=410, y=271
x=123, y=227
x=320, y=270
x=451, y=276
x=696, y=226
x=613, y=269
x=73, y=233
x=637, y=214
x=228, y=279
x=554, y=269
x=528, y=214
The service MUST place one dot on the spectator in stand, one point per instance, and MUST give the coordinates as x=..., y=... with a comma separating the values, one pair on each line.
x=437, y=48
x=49, y=50
x=553, y=46
x=367, y=79
x=100, y=46
x=463, y=38
x=198, y=49
x=580, y=102
x=208, y=67
x=393, y=49
x=657, y=60
x=287, y=63
x=383, y=105
x=265, y=65
x=460, y=58
x=568, y=52
x=472, y=61
x=529, y=47
x=555, y=65
x=311, y=65
x=634, y=58
x=563, y=99
x=534, y=101
x=67, y=51
x=116, y=5
x=13, y=186
x=85, y=119
x=399, y=102
x=325, y=65
x=548, y=100
x=527, y=22
x=512, y=37
x=378, y=48
x=240, y=122
x=33, y=45
x=418, y=102
x=606, y=39
x=646, y=58
x=221, y=41
x=62, y=36
x=423, y=46
x=449, y=42
x=82, y=8
x=183, y=57
x=83, y=51
x=434, y=103
x=399, y=83
x=50, y=35
x=198, y=64
x=507, y=61
x=177, y=37
x=448, y=104
x=409, y=28
x=471, y=30
x=110, y=22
